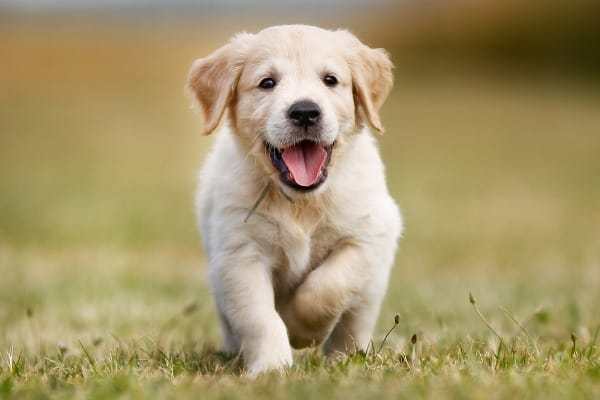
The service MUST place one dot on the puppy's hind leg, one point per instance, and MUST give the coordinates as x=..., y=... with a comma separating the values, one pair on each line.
x=353, y=331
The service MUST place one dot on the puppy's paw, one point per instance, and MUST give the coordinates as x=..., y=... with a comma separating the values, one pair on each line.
x=268, y=351
x=269, y=360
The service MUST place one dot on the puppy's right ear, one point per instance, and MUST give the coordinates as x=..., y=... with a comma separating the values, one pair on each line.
x=212, y=80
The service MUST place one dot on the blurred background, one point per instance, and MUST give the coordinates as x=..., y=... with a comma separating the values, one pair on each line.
x=492, y=148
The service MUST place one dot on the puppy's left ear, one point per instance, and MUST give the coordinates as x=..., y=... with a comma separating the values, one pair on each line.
x=372, y=78
x=212, y=80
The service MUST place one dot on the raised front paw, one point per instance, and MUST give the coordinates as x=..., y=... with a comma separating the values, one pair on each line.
x=305, y=327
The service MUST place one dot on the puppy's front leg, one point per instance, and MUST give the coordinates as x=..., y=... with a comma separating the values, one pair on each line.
x=325, y=294
x=245, y=297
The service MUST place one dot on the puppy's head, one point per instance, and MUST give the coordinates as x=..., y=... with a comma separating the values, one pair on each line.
x=295, y=94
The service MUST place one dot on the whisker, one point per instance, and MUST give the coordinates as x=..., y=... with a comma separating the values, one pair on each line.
x=250, y=117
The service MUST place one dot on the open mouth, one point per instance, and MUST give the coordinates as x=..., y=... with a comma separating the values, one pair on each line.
x=302, y=166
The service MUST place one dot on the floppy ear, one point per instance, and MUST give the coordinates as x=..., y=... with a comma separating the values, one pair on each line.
x=212, y=80
x=372, y=79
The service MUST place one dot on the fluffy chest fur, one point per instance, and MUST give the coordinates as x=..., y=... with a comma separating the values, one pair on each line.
x=302, y=241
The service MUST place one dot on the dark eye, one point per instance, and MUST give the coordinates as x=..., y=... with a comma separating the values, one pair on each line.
x=267, y=83
x=330, y=80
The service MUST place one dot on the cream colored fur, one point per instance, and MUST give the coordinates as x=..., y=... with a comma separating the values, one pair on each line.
x=314, y=270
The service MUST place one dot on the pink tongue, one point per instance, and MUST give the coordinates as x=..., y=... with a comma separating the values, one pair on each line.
x=305, y=161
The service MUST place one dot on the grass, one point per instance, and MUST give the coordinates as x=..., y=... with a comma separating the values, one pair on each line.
x=102, y=280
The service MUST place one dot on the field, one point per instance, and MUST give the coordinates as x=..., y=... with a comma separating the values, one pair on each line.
x=102, y=278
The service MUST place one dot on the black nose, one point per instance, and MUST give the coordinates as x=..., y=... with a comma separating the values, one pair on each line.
x=304, y=113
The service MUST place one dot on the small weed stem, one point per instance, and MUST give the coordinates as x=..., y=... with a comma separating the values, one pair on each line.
x=396, y=322
x=473, y=302
x=513, y=319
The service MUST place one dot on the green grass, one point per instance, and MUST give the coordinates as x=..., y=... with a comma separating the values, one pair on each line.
x=102, y=279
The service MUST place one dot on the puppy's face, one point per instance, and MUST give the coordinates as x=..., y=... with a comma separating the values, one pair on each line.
x=295, y=94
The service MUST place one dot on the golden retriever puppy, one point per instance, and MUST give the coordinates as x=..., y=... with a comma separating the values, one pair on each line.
x=298, y=226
